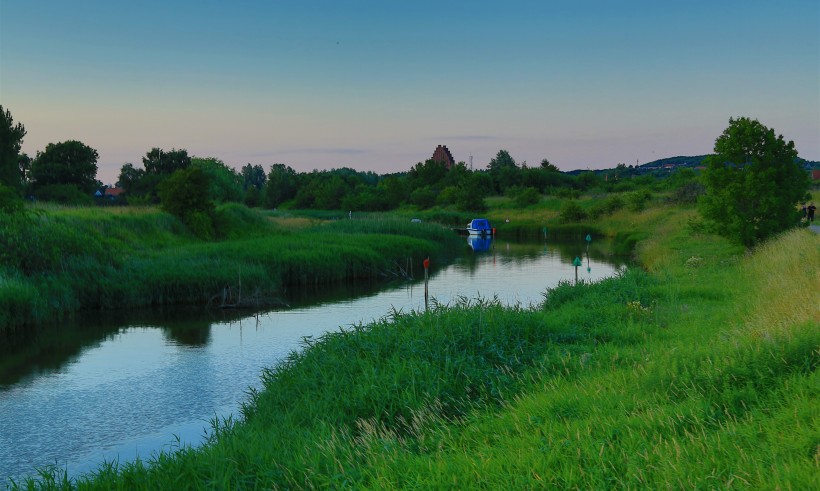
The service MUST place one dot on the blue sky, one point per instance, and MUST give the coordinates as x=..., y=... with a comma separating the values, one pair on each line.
x=376, y=85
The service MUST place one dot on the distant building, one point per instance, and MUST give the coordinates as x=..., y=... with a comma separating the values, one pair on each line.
x=442, y=154
x=113, y=193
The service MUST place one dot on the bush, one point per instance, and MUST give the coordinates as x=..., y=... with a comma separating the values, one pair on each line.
x=527, y=197
x=185, y=195
x=637, y=200
x=608, y=206
x=571, y=211
x=423, y=197
x=66, y=194
x=10, y=201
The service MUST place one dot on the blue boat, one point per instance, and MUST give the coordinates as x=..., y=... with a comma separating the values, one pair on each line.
x=479, y=226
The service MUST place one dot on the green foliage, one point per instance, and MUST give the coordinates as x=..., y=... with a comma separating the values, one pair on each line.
x=571, y=212
x=366, y=198
x=11, y=140
x=253, y=176
x=61, y=261
x=645, y=380
x=753, y=183
x=226, y=183
x=281, y=185
x=185, y=194
x=547, y=166
x=253, y=197
x=588, y=180
x=234, y=221
x=66, y=194
x=608, y=206
x=526, y=197
x=637, y=200
x=423, y=197
x=10, y=202
x=67, y=163
x=160, y=162
x=427, y=174
x=504, y=171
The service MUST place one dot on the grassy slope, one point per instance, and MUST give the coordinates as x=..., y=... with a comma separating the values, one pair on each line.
x=700, y=373
x=65, y=260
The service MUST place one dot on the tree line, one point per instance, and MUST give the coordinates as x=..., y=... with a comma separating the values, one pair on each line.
x=748, y=190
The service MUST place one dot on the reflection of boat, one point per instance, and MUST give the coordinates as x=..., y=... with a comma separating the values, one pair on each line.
x=479, y=226
x=480, y=243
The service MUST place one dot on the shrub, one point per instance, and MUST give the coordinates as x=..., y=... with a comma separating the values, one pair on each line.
x=527, y=197
x=637, y=200
x=185, y=195
x=571, y=211
x=10, y=201
x=67, y=194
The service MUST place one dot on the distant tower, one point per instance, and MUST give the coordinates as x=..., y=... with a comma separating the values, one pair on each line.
x=442, y=154
x=471, y=161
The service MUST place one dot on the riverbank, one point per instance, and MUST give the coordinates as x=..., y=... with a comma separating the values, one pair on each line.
x=62, y=260
x=699, y=370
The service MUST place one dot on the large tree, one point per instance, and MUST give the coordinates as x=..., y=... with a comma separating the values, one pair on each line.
x=70, y=163
x=158, y=161
x=11, y=140
x=226, y=183
x=753, y=183
x=281, y=185
x=504, y=171
x=253, y=176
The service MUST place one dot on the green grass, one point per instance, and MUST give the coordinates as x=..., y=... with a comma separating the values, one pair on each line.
x=63, y=260
x=699, y=372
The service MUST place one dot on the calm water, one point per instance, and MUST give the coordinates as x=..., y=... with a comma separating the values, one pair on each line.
x=127, y=385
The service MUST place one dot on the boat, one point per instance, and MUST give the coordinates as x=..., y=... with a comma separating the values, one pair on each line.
x=479, y=226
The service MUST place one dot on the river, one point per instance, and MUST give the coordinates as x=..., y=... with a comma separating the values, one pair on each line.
x=118, y=386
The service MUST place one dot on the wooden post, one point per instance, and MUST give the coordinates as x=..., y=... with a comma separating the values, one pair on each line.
x=426, y=278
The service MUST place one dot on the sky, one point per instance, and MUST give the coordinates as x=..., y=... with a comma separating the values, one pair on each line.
x=377, y=85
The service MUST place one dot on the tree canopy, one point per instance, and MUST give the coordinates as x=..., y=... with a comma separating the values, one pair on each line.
x=158, y=161
x=11, y=140
x=70, y=163
x=753, y=183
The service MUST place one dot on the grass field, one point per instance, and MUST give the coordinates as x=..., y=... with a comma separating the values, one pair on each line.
x=698, y=370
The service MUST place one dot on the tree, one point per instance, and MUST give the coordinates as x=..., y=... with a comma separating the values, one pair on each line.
x=11, y=140
x=158, y=161
x=130, y=178
x=547, y=166
x=226, y=183
x=67, y=163
x=253, y=176
x=281, y=185
x=184, y=194
x=753, y=183
x=504, y=171
x=427, y=173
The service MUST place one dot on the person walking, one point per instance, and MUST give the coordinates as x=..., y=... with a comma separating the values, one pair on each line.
x=810, y=211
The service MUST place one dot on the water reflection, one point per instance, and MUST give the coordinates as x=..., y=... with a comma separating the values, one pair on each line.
x=479, y=243
x=122, y=384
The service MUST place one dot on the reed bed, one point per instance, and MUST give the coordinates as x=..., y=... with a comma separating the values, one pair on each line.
x=63, y=260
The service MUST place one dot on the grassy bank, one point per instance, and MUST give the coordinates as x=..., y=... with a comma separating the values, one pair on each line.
x=63, y=260
x=699, y=371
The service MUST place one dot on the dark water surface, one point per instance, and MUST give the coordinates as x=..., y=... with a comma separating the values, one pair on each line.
x=117, y=386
